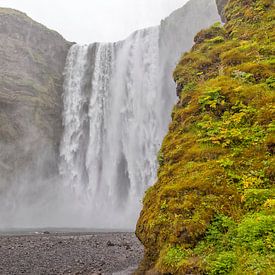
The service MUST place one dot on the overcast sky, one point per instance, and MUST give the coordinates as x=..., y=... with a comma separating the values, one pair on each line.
x=86, y=21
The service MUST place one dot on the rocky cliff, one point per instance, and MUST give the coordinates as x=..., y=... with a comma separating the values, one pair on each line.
x=221, y=6
x=211, y=210
x=32, y=62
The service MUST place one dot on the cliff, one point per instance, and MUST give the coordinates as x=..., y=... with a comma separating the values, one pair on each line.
x=32, y=62
x=221, y=5
x=211, y=210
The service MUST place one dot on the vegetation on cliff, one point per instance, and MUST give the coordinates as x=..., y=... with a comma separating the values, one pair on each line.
x=212, y=208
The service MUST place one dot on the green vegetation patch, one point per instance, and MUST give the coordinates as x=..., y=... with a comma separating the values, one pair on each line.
x=212, y=208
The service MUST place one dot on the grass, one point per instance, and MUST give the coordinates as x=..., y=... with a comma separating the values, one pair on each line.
x=212, y=208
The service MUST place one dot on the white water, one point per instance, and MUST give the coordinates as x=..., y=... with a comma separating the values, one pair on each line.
x=117, y=104
x=112, y=125
x=118, y=98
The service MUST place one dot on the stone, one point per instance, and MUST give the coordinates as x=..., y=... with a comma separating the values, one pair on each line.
x=31, y=78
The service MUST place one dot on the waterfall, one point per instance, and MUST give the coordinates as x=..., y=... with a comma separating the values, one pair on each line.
x=112, y=124
x=118, y=99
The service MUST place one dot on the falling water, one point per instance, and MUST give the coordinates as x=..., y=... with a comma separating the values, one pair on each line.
x=112, y=126
x=117, y=103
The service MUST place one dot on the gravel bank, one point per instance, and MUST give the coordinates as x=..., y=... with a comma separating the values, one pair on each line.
x=69, y=253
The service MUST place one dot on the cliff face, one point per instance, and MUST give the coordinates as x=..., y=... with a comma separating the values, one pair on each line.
x=32, y=62
x=221, y=6
x=212, y=208
x=177, y=32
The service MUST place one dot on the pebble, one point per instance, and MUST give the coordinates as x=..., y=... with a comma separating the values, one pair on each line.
x=69, y=253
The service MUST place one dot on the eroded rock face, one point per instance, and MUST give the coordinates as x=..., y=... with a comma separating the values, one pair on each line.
x=32, y=62
x=221, y=5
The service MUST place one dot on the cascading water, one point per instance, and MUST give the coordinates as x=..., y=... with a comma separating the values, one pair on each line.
x=112, y=127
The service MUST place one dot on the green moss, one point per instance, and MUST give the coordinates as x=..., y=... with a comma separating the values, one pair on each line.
x=246, y=247
x=224, y=263
x=270, y=82
x=173, y=256
x=212, y=208
x=254, y=199
x=216, y=40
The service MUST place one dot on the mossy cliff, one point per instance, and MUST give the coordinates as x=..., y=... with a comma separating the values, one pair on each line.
x=212, y=208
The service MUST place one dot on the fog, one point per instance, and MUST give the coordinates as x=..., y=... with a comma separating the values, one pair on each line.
x=86, y=21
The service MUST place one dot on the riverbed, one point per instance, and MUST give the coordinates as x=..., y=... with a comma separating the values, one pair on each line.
x=69, y=253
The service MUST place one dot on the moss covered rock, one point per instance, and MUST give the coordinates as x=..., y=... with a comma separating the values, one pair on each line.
x=212, y=208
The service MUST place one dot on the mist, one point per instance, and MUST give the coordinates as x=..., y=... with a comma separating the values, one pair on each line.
x=86, y=21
